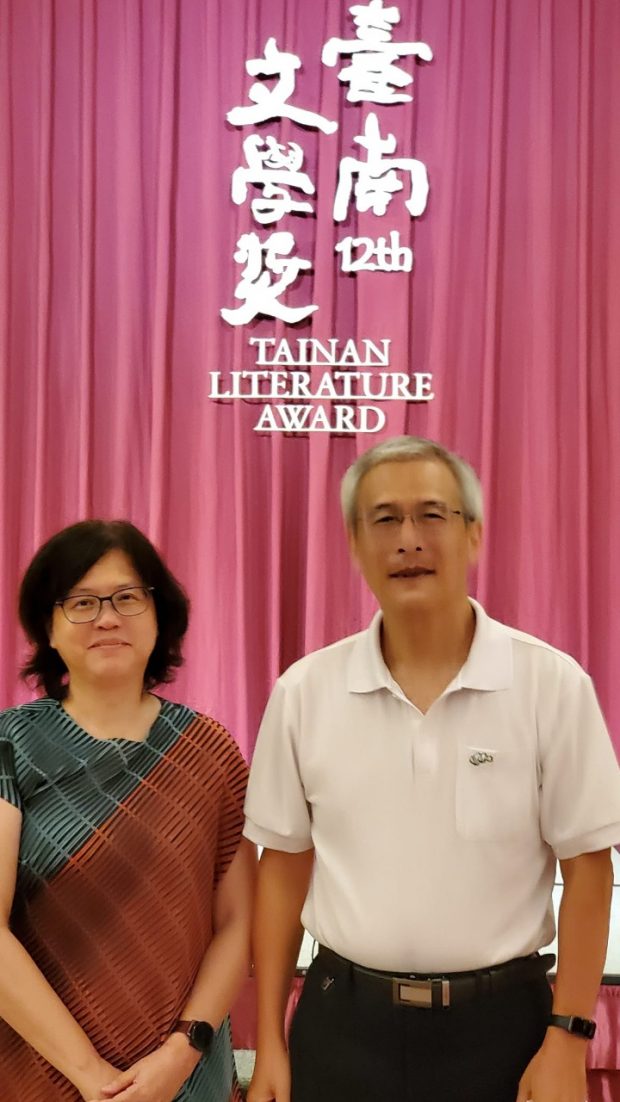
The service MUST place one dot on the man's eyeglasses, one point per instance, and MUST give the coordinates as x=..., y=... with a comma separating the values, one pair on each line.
x=432, y=518
x=84, y=608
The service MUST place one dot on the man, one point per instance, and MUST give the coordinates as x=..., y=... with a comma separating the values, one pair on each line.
x=413, y=786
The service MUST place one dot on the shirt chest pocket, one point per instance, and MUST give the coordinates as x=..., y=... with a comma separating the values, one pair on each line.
x=496, y=794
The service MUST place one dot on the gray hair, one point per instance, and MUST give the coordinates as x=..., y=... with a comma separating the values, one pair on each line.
x=401, y=449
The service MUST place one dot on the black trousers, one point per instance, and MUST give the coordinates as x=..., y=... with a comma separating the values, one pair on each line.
x=350, y=1043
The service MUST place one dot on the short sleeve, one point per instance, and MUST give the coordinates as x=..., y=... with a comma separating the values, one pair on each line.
x=9, y=790
x=276, y=810
x=580, y=784
x=231, y=812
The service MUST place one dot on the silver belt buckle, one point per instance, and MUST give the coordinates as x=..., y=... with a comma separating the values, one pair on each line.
x=420, y=992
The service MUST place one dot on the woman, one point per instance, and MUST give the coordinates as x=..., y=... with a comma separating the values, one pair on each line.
x=125, y=887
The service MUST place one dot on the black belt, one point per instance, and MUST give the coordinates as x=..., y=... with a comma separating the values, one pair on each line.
x=439, y=991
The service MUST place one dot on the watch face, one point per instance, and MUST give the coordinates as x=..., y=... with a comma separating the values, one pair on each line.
x=583, y=1027
x=200, y=1036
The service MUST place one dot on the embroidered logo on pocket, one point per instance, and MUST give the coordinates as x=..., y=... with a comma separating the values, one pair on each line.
x=481, y=757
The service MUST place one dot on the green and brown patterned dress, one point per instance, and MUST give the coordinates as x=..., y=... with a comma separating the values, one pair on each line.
x=122, y=846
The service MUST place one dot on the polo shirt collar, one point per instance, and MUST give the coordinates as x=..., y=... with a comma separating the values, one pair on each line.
x=488, y=666
x=367, y=670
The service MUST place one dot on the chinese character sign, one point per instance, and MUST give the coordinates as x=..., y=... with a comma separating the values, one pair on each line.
x=273, y=103
x=275, y=168
x=273, y=181
x=373, y=76
x=269, y=270
x=374, y=181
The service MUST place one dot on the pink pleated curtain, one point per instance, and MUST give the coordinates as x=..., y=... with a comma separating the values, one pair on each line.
x=117, y=235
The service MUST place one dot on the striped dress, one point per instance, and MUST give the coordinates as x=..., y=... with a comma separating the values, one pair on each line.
x=122, y=846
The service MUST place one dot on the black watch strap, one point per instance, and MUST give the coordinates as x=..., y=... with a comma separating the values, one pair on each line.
x=580, y=1027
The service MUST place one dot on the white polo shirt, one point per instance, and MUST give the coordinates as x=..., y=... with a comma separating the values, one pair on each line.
x=435, y=835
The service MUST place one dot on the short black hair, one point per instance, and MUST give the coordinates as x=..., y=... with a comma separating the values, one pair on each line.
x=62, y=561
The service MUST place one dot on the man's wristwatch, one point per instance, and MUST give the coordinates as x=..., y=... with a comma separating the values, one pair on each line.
x=199, y=1034
x=580, y=1027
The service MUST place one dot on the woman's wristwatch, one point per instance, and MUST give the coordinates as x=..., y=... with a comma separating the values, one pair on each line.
x=580, y=1027
x=199, y=1034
